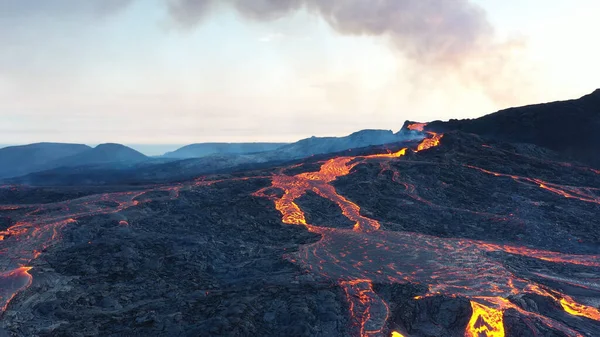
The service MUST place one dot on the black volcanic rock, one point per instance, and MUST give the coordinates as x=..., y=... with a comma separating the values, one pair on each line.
x=323, y=212
x=24, y=159
x=447, y=192
x=570, y=128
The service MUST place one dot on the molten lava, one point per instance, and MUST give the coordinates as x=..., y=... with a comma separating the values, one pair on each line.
x=430, y=142
x=367, y=309
x=417, y=127
x=485, y=321
x=427, y=143
x=366, y=254
x=585, y=194
x=11, y=283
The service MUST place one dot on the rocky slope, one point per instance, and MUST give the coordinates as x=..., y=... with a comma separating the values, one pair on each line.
x=568, y=127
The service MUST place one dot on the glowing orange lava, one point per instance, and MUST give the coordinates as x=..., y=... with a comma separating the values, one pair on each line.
x=567, y=303
x=427, y=143
x=369, y=311
x=453, y=267
x=11, y=283
x=430, y=142
x=485, y=321
x=417, y=127
x=571, y=192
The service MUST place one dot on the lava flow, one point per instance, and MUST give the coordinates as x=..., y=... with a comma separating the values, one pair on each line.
x=11, y=283
x=570, y=192
x=41, y=228
x=427, y=143
x=485, y=321
x=366, y=254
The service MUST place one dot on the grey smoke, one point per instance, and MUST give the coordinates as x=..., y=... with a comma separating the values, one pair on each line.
x=188, y=13
x=429, y=31
x=60, y=8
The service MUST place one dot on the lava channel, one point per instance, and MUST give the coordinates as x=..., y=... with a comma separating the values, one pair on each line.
x=365, y=255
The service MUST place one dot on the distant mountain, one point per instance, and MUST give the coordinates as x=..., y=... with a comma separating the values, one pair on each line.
x=24, y=159
x=103, y=154
x=322, y=145
x=156, y=170
x=571, y=128
x=206, y=149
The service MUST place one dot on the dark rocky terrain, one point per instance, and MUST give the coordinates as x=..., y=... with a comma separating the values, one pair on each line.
x=474, y=236
x=567, y=127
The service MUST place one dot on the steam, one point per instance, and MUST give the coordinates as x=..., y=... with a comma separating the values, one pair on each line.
x=430, y=31
x=188, y=13
x=59, y=8
x=441, y=38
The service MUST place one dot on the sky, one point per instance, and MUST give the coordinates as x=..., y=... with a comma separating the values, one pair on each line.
x=188, y=71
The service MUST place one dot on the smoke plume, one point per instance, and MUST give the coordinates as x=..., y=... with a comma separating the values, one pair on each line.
x=431, y=31
x=188, y=13
x=443, y=38
x=60, y=8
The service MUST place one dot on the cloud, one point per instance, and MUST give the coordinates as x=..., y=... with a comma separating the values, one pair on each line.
x=267, y=9
x=271, y=37
x=59, y=8
x=430, y=31
x=188, y=13
x=449, y=38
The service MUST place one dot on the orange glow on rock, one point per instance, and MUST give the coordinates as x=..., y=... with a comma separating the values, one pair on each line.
x=432, y=141
x=11, y=283
x=417, y=126
x=568, y=304
x=428, y=143
x=363, y=302
x=366, y=254
x=571, y=192
x=577, y=309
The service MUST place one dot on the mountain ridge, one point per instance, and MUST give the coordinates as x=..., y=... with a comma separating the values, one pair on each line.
x=568, y=127
x=19, y=159
x=198, y=150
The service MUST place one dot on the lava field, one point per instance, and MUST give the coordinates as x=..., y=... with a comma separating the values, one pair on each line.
x=451, y=236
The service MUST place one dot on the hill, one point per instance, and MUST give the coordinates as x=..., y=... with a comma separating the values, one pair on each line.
x=104, y=154
x=24, y=159
x=207, y=149
x=571, y=128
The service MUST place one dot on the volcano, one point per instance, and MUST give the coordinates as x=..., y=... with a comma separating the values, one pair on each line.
x=467, y=230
